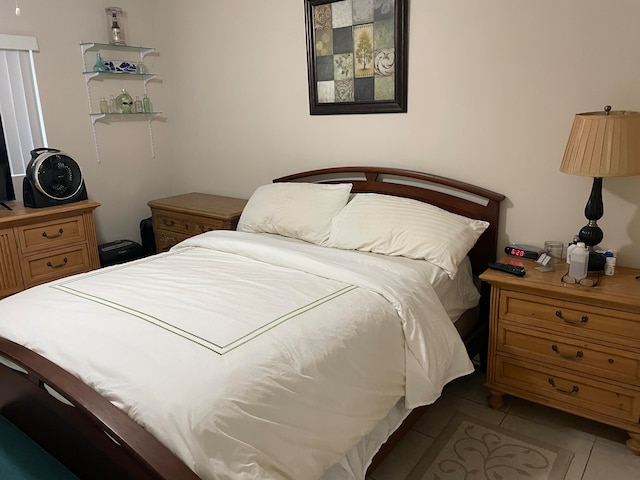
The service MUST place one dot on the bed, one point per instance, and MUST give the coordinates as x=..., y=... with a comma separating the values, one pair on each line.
x=251, y=398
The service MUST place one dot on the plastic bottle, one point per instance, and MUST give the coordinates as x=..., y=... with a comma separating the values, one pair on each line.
x=610, y=266
x=571, y=246
x=579, y=261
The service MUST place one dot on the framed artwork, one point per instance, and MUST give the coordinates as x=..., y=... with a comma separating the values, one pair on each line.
x=357, y=53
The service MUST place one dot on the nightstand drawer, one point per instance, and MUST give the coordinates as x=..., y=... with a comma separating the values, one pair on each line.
x=571, y=392
x=165, y=239
x=570, y=317
x=44, y=235
x=187, y=224
x=40, y=268
x=566, y=352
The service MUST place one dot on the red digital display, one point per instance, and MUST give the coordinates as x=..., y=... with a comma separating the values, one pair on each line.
x=523, y=251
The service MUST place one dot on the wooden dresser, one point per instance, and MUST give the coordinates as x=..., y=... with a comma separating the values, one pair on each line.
x=182, y=216
x=571, y=347
x=38, y=245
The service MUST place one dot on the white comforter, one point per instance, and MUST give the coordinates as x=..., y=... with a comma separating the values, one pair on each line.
x=249, y=357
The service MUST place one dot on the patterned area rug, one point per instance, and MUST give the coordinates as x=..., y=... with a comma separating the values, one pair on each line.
x=469, y=449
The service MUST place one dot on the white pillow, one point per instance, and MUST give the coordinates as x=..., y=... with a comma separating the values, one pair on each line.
x=400, y=226
x=298, y=210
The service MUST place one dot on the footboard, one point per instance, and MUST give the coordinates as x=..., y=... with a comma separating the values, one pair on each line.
x=91, y=437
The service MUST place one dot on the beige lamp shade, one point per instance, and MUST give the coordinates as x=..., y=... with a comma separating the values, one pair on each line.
x=603, y=144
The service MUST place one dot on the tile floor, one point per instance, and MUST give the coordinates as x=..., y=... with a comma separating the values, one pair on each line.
x=599, y=450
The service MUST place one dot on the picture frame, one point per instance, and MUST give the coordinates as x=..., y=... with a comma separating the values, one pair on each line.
x=357, y=56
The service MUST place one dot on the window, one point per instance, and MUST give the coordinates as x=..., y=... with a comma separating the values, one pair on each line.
x=20, y=108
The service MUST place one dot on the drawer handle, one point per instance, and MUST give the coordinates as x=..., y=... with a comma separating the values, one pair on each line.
x=584, y=318
x=64, y=262
x=204, y=228
x=566, y=356
x=59, y=234
x=573, y=390
x=168, y=223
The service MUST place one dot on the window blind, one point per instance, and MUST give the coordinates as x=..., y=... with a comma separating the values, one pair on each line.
x=19, y=100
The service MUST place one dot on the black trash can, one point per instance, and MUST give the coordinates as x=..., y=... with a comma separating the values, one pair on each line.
x=119, y=251
x=146, y=234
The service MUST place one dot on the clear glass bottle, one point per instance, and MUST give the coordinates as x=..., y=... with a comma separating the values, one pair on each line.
x=146, y=104
x=137, y=105
x=113, y=108
x=104, y=105
x=115, y=33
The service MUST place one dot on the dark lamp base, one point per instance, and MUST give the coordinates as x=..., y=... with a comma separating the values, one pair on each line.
x=596, y=262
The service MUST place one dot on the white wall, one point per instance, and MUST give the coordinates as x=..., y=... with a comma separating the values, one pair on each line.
x=493, y=88
x=127, y=176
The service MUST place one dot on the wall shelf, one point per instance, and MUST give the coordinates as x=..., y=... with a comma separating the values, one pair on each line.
x=94, y=46
x=110, y=76
x=113, y=75
x=122, y=116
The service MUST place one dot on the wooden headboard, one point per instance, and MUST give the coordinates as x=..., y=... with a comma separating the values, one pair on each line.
x=452, y=195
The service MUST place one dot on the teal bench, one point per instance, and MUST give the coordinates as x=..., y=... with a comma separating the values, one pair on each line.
x=23, y=459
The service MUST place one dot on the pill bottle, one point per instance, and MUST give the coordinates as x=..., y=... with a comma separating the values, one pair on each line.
x=610, y=266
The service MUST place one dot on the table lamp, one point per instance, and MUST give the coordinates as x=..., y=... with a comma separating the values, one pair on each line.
x=601, y=144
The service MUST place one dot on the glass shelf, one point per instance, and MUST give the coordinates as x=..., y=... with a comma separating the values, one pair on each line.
x=122, y=116
x=107, y=46
x=145, y=76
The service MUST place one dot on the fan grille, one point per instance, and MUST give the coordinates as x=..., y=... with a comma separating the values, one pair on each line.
x=59, y=177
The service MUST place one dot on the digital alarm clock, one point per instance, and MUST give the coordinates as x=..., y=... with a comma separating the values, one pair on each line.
x=523, y=251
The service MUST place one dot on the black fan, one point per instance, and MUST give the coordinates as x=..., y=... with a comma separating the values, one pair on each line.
x=52, y=178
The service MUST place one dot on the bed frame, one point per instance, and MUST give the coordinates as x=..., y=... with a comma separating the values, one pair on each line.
x=96, y=440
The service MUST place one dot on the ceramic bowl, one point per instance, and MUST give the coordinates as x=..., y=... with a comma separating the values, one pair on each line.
x=120, y=66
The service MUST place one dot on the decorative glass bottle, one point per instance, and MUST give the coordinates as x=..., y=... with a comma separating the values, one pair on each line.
x=104, y=106
x=116, y=34
x=99, y=65
x=137, y=105
x=113, y=108
x=146, y=104
x=124, y=102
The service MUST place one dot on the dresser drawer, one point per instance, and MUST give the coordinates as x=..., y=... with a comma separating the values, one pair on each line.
x=44, y=267
x=185, y=224
x=581, y=356
x=579, y=395
x=570, y=317
x=52, y=234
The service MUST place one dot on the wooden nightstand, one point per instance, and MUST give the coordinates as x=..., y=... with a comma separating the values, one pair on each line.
x=183, y=216
x=570, y=347
x=38, y=245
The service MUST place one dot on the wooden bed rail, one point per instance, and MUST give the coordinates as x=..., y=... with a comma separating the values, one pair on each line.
x=80, y=437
